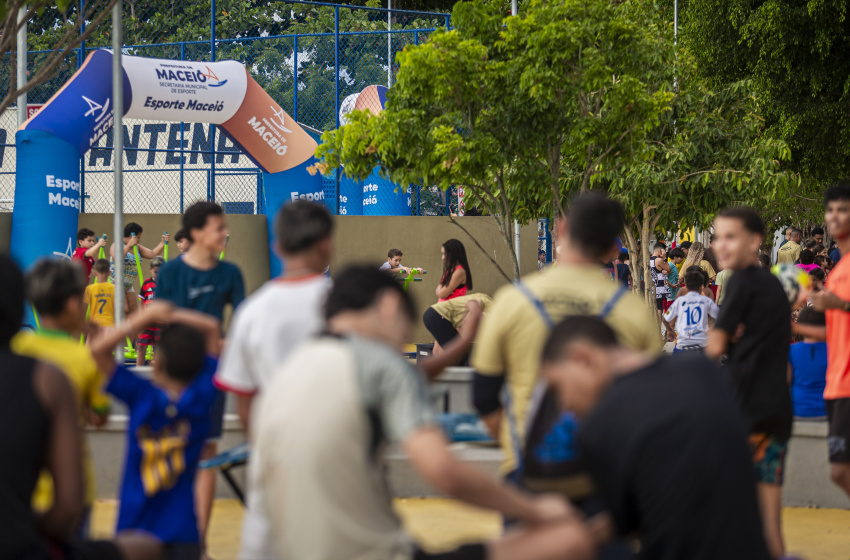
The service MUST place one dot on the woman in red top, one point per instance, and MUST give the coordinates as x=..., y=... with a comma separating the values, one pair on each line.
x=457, y=279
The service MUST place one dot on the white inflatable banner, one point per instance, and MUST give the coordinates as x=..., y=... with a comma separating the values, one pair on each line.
x=177, y=90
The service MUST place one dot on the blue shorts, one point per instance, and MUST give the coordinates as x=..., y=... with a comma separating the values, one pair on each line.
x=217, y=417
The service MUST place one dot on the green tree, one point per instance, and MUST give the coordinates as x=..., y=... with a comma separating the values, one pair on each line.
x=257, y=34
x=709, y=151
x=67, y=36
x=514, y=110
x=796, y=53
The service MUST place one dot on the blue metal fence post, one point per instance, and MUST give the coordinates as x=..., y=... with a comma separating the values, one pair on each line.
x=295, y=78
x=182, y=137
x=415, y=37
x=211, y=189
x=336, y=95
x=81, y=57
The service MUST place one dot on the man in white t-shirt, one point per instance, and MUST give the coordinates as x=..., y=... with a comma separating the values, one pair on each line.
x=267, y=327
x=324, y=426
x=690, y=315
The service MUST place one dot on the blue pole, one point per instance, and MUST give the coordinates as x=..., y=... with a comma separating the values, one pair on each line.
x=212, y=30
x=82, y=54
x=81, y=57
x=295, y=78
x=415, y=37
x=548, y=242
x=182, y=172
x=211, y=189
x=336, y=65
x=336, y=96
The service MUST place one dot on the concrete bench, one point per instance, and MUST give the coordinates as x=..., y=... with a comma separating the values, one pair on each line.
x=807, y=480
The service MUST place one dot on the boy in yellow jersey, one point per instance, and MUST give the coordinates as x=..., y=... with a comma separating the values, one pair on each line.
x=100, y=297
x=55, y=288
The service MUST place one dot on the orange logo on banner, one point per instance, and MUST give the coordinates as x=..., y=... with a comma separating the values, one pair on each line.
x=268, y=133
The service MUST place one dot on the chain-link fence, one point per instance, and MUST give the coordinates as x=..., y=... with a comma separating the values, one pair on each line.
x=308, y=56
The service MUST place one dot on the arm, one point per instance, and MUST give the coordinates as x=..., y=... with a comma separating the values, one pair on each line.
x=95, y=249
x=151, y=253
x=718, y=341
x=428, y=453
x=458, y=278
x=457, y=348
x=790, y=373
x=63, y=456
x=812, y=331
x=128, y=247
x=485, y=398
x=826, y=299
x=243, y=409
x=661, y=264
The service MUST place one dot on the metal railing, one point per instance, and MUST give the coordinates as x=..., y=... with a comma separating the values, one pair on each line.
x=331, y=52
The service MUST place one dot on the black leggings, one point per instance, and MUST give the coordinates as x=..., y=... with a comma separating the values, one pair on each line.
x=440, y=327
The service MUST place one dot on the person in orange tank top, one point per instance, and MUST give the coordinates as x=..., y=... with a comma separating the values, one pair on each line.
x=457, y=279
x=834, y=300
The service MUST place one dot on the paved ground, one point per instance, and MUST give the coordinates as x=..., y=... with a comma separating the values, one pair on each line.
x=815, y=534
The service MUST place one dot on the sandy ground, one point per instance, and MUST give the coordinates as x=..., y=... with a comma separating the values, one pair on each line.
x=815, y=534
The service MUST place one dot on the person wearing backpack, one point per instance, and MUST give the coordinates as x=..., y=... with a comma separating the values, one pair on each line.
x=510, y=341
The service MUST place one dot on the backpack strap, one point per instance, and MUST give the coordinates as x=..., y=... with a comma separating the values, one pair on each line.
x=538, y=305
x=510, y=413
x=540, y=387
x=609, y=306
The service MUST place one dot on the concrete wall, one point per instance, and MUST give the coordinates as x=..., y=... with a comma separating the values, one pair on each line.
x=368, y=238
x=248, y=246
x=5, y=231
x=357, y=239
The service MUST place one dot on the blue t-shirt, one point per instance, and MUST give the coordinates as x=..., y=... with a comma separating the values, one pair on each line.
x=164, y=441
x=835, y=255
x=207, y=291
x=808, y=362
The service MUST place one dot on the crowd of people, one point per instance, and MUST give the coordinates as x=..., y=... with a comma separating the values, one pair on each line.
x=612, y=448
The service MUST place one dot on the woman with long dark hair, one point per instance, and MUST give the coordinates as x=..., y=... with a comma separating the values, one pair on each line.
x=457, y=279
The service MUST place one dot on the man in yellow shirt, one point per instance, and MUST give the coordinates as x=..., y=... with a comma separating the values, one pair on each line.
x=55, y=288
x=790, y=252
x=100, y=296
x=511, y=338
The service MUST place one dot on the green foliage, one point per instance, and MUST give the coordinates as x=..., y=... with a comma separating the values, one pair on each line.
x=796, y=53
x=708, y=152
x=517, y=110
x=156, y=28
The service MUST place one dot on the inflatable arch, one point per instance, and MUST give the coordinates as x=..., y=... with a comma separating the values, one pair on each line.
x=51, y=143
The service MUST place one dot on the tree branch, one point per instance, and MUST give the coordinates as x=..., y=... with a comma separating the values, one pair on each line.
x=694, y=174
x=483, y=250
x=57, y=56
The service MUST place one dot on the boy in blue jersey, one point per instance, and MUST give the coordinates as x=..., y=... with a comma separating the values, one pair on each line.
x=169, y=423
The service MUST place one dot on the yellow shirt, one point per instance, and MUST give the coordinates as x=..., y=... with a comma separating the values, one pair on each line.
x=77, y=364
x=512, y=336
x=101, y=300
x=706, y=266
x=789, y=253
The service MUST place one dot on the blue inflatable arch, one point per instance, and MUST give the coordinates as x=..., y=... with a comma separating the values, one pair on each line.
x=51, y=143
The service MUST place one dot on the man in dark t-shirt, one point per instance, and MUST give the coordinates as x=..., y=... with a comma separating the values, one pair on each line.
x=202, y=282
x=663, y=441
x=754, y=330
